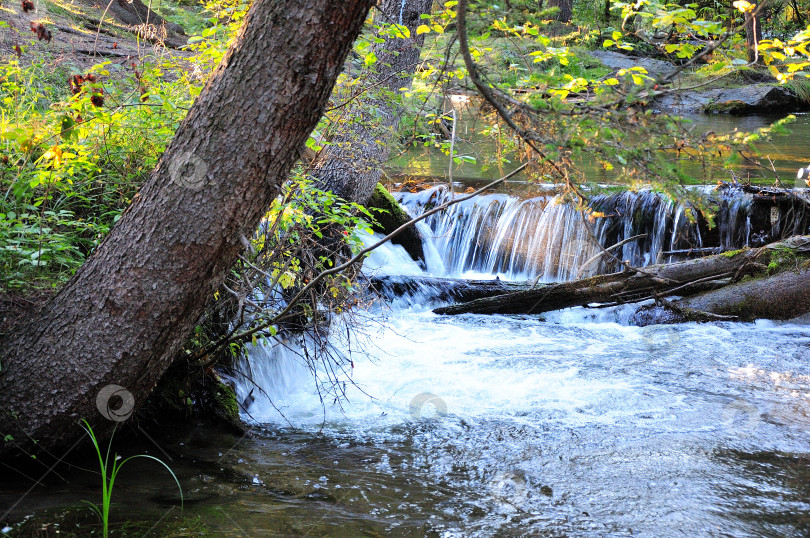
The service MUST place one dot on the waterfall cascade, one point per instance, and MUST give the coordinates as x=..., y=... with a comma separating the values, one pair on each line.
x=522, y=239
x=542, y=237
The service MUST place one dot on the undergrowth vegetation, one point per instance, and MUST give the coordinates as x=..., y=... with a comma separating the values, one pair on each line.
x=76, y=144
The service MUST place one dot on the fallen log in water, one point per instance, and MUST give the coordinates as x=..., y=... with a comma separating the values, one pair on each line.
x=682, y=279
x=443, y=289
x=784, y=295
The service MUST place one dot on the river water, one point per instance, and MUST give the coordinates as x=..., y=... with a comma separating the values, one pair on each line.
x=787, y=153
x=575, y=425
x=569, y=424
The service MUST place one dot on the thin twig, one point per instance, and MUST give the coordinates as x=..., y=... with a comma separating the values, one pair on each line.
x=608, y=249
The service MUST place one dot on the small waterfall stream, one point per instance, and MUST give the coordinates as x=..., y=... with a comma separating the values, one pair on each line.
x=522, y=239
x=570, y=424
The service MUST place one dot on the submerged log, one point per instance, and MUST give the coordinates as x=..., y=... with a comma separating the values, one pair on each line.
x=627, y=286
x=443, y=289
x=682, y=279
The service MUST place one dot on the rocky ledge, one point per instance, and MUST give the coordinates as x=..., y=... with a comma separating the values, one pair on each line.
x=753, y=98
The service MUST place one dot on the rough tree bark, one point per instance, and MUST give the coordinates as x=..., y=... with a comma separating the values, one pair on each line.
x=351, y=165
x=753, y=33
x=125, y=314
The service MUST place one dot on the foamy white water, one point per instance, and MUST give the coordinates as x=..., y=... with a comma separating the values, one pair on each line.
x=570, y=423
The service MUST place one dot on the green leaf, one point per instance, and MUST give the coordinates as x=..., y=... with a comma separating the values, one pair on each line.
x=400, y=31
x=66, y=128
x=14, y=134
x=370, y=59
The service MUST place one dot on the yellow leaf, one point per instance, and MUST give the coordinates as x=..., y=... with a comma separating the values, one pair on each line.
x=423, y=29
x=54, y=154
x=744, y=6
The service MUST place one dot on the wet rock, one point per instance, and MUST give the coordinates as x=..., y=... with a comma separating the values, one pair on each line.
x=655, y=315
x=392, y=217
x=617, y=61
x=752, y=98
x=685, y=102
x=755, y=98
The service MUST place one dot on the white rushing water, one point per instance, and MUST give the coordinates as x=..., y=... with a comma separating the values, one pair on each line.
x=571, y=423
x=523, y=239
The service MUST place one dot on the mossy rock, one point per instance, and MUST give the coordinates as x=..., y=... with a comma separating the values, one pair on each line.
x=390, y=217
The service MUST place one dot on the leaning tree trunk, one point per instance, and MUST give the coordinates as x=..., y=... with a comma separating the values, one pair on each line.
x=350, y=166
x=125, y=314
